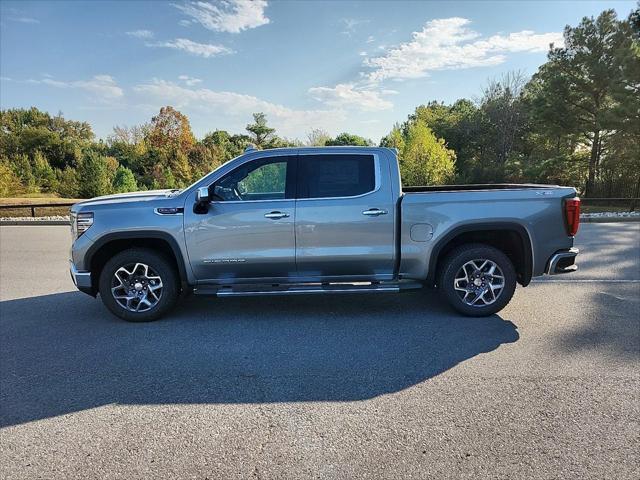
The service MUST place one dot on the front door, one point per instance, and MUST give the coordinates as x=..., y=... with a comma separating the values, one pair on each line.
x=248, y=232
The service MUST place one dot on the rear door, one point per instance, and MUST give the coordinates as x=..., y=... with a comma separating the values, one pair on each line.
x=344, y=218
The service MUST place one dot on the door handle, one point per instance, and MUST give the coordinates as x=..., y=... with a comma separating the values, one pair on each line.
x=374, y=212
x=276, y=215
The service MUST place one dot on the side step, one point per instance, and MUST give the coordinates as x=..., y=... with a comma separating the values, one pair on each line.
x=304, y=289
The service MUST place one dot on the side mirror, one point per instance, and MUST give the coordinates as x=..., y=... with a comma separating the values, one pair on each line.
x=202, y=201
x=202, y=195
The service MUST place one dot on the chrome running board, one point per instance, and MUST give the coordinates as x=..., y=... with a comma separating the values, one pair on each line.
x=305, y=289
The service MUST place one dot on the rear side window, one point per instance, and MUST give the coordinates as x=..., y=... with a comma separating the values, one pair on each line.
x=324, y=176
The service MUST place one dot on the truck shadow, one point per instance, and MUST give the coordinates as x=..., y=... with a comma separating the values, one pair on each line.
x=65, y=353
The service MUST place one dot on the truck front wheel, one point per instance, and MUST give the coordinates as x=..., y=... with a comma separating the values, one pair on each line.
x=138, y=285
x=477, y=280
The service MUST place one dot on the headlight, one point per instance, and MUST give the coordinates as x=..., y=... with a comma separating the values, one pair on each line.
x=80, y=223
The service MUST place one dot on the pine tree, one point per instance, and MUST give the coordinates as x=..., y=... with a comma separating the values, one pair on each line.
x=124, y=181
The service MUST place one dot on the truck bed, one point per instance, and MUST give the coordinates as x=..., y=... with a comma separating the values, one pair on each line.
x=535, y=210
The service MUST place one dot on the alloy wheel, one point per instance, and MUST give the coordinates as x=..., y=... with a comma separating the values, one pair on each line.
x=136, y=287
x=479, y=282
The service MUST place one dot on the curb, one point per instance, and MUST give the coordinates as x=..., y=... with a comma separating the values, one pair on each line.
x=609, y=219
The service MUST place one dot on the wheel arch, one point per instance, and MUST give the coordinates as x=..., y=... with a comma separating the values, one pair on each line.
x=110, y=244
x=511, y=238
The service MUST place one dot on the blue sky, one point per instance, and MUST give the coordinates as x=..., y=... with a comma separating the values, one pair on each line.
x=339, y=66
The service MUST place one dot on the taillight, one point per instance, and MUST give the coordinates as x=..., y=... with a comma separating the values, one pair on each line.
x=572, y=215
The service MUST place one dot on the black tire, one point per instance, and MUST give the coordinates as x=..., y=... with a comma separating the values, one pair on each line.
x=453, y=264
x=157, y=263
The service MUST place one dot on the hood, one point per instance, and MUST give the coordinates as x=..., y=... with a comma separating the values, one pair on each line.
x=127, y=197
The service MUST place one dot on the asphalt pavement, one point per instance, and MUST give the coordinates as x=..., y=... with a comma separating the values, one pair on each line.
x=376, y=386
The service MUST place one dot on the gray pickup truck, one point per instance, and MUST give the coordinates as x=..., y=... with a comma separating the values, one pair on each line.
x=319, y=220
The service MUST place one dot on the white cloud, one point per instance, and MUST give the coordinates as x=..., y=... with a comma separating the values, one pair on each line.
x=351, y=24
x=103, y=87
x=346, y=95
x=370, y=39
x=231, y=16
x=24, y=19
x=141, y=34
x=449, y=43
x=287, y=121
x=206, y=50
x=363, y=54
x=189, y=81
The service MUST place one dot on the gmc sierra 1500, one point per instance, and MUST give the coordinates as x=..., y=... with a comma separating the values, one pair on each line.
x=319, y=220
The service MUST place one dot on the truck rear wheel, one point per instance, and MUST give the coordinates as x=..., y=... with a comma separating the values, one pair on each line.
x=138, y=285
x=477, y=280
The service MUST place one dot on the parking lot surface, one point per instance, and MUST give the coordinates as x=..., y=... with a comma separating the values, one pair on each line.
x=382, y=386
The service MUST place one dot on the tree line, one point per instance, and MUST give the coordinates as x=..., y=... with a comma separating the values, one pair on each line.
x=576, y=121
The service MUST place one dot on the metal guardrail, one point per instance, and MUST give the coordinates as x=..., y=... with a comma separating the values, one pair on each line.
x=33, y=206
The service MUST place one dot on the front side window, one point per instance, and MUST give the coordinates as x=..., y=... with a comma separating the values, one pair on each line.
x=264, y=179
x=333, y=175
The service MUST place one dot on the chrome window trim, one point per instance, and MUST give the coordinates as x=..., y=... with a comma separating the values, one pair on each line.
x=226, y=202
x=377, y=176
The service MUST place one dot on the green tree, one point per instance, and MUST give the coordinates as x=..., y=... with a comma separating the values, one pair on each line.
x=394, y=139
x=68, y=182
x=94, y=175
x=623, y=156
x=348, y=139
x=262, y=134
x=505, y=115
x=44, y=175
x=124, y=181
x=9, y=182
x=425, y=160
x=465, y=129
x=25, y=131
x=21, y=166
x=574, y=90
x=226, y=146
x=181, y=168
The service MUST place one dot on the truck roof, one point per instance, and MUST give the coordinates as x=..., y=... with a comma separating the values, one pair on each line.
x=251, y=149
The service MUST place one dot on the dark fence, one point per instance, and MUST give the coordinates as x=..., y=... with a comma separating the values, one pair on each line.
x=614, y=204
x=628, y=187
